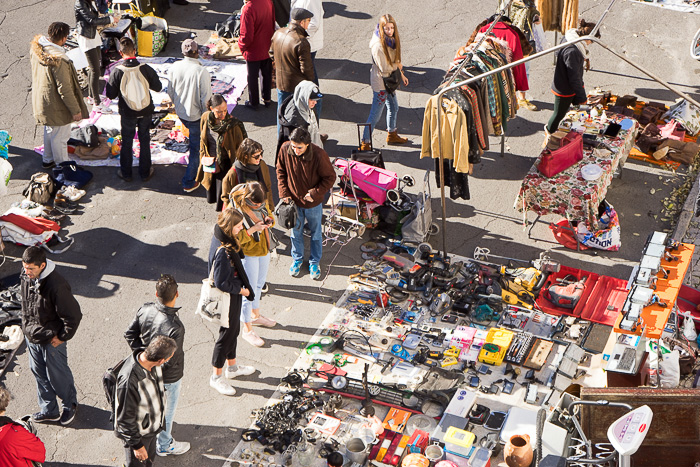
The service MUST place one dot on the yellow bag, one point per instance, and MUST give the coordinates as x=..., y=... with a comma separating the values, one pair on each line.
x=151, y=35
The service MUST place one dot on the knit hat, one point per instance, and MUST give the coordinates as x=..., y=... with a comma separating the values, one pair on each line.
x=189, y=46
x=300, y=14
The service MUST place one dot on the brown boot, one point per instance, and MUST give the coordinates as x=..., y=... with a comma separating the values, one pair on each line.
x=393, y=138
x=365, y=146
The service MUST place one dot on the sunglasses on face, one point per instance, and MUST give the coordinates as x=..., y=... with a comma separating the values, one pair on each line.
x=257, y=157
x=252, y=204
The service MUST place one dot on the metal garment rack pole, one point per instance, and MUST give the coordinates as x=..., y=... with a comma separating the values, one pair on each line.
x=447, y=85
x=516, y=63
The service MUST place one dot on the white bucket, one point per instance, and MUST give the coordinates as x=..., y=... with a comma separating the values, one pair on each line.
x=356, y=450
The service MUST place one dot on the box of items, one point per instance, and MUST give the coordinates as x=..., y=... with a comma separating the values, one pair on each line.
x=495, y=346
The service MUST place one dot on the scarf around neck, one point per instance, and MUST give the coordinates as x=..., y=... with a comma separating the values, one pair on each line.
x=389, y=41
x=248, y=168
x=220, y=128
x=572, y=35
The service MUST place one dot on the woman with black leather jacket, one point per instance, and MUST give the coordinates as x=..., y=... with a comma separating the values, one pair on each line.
x=90, y=42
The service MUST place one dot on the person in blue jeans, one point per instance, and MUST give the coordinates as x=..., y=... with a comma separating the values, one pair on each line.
x=160, y=318
x=50, y=318
x=304, y=176
x=256, y=243
x=385, y=46
x=189, y=88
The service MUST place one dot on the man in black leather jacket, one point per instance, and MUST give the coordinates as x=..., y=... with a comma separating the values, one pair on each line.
x=50, y=317
x=160, y=318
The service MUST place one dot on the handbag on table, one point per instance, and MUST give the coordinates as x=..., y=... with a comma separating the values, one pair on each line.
x=569, y=153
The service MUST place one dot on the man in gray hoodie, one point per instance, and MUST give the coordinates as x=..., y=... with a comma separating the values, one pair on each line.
x=190, y=89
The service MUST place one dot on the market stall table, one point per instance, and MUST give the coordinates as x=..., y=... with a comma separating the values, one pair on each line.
x=568, y=194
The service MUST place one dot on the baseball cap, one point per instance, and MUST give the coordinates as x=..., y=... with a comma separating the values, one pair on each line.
x=315, y=95
x=189, y=46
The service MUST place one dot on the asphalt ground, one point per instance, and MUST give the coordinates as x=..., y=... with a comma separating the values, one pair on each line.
x=130, y=233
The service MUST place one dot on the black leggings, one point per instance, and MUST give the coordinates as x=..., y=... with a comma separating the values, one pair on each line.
x=94, y=58
x=561, y=106
x=225, y=346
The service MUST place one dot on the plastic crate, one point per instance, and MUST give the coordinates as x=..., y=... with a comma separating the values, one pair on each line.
x=549, y=307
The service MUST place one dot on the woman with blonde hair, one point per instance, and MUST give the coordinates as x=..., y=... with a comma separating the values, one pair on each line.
x=386, y=57
x=226, y=268
x=256, y=243
x=249, y=166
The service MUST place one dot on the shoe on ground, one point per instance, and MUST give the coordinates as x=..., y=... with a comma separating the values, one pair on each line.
x=44, y=417
x=265, y=288
x=267, y=103
x=394, y=138
x=71, y=192
x=176, y=448
x=151, y=172
x=251, y=106
x=315, y=271
x=48, y=165
x=527, y=104
x=181, y=2
x=121, y=175
x=365, y=146
x=263, y=321
x=64, y=207
x=68, y=415
x=324, y=137
x=193, y=187
x=243, y=370
x=221, y=385
x=295, y=269
x=89, y=100
x=253, y=339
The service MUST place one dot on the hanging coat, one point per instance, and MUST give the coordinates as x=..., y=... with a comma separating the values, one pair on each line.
x=506, y=33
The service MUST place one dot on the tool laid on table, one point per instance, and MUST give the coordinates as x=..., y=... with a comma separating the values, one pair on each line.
x=567, y=292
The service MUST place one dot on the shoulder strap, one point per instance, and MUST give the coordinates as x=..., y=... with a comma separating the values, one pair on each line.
x=211, y=273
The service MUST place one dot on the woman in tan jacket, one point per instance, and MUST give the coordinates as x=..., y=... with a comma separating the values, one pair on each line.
x=221, y=136
x=386, y=57
x=248, y=167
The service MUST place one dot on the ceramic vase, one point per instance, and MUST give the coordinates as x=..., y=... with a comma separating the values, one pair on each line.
x=518, y=451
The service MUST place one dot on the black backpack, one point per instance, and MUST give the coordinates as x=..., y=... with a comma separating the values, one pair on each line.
x=109, y=382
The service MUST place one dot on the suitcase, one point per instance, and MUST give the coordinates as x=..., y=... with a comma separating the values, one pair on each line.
x=372, y=157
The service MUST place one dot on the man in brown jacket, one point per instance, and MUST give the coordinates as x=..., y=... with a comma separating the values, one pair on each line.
x=57, y=99
x=304, y=176
x=292, y=53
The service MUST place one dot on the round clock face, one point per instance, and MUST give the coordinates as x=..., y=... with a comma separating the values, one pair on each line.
x=374, y=390
x=339, y=382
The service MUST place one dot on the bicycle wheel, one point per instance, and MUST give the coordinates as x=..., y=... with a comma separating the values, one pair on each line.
x=695, y=46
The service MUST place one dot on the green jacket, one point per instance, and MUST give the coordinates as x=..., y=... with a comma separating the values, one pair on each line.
x=56, y=94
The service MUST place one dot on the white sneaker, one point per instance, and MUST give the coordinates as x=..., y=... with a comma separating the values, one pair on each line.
x=253, y=339
x=103, y=108
x=243, y=370
x=176, y=448
x=71, y=192
x=221, y=385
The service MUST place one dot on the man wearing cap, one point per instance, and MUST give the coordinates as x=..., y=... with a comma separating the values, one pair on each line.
x=292, y=55
x=257, y=28
x=190, y=89
x=315, y=31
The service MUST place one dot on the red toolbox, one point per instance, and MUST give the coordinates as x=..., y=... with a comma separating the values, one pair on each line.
x=601, y=301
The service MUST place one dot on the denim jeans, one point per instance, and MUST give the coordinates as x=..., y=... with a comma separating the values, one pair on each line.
x=281, y=96
x=313, y=217
x=193, y=161
x=56, y=143
x=380, y=100
x=319, y=103
x=172, y=394
x=256, y=269
x=126, y=156
x=49, y=365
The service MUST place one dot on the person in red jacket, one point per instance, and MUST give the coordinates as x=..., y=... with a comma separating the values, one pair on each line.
x=18, y=447
x=257, y=28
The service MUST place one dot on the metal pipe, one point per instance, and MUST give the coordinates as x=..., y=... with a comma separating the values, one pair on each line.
x=467, y=59
x=514, y=64
x=600, y=21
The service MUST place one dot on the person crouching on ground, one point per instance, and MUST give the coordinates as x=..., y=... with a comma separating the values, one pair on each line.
x=304, y=176
x=221, y=134
x=256, y=243
x=18, y=446
x=229, y=276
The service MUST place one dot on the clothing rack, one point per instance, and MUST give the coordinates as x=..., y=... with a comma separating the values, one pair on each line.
x=535, y=56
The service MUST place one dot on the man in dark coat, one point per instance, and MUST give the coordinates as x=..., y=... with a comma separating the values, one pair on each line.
x=160, y=319
x=50, y=317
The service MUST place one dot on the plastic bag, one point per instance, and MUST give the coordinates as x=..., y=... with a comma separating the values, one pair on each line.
x=686, y=114
x=5, y=139
x=607, y=235
x=5, y=174
x=670, y=371
x=540, y=39
x=689, y=327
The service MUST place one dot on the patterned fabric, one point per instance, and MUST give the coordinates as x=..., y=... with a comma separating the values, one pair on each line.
x=471, y=95
x=568, y=194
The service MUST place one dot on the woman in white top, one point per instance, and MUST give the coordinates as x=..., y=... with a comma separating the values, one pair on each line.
x=386, y=57
x=90, y=42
